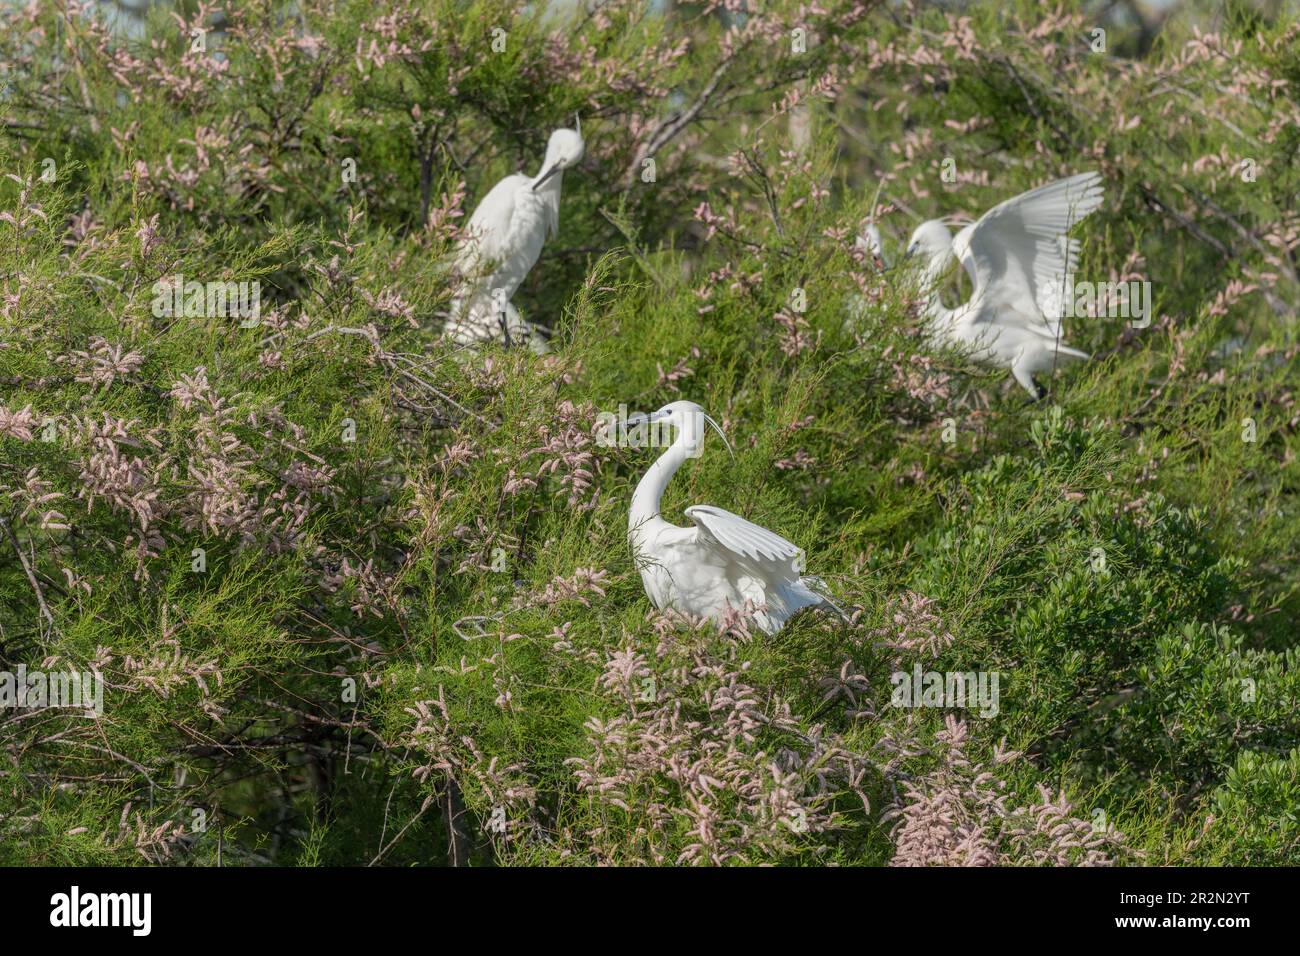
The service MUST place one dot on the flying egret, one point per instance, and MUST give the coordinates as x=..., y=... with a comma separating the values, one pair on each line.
x=503, y=241
x=723, y=561
x=1018, y=256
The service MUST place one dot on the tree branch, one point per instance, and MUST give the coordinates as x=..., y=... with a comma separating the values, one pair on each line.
x=31, y=577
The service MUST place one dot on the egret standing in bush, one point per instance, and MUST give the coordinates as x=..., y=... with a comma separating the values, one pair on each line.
x=1018, y=257
x=503, y=240
x=724, y=561
x=870, y=242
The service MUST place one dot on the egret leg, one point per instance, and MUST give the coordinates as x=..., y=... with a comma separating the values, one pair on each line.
x=505, y=328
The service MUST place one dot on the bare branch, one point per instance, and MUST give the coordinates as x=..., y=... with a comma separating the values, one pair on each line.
x=31, y=576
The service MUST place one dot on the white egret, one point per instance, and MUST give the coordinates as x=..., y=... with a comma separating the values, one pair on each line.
x=1018, y=257
x=870, y=242
x=723, y=561
x=503, y=241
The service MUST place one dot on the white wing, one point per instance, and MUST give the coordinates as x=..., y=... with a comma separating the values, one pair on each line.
x=488, y=229
x=1018, y=253
x=765, y=550
x=551, y=199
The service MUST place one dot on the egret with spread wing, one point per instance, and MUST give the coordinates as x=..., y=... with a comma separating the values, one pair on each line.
x=1018, y=256
x=503, y=241
x=722, y=561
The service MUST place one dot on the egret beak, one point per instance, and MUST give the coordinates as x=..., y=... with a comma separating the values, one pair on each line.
x=577, y=123
x=640, y=424
x=637, y=419
x=547, y=175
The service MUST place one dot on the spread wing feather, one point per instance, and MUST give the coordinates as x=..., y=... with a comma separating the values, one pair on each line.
x=745, y=539
x=1019, y=251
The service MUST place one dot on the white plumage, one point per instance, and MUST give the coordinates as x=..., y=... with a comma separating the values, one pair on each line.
x=503, y=240
x=723, y=561
x=1018, y=255
x=869, y=241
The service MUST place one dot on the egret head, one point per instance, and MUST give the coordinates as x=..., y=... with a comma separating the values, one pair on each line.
x=930, y=239
x=686, y=417
x=931, y=242
x=564, y=150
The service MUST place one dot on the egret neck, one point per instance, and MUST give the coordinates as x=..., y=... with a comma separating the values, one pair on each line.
x=650, y=489
x=932, y=278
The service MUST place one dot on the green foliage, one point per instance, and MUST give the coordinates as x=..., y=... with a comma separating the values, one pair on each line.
x=1253, y=819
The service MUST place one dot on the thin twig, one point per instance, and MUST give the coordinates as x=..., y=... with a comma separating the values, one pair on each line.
x=428, y=802
x=669, y=127
x=31, y=577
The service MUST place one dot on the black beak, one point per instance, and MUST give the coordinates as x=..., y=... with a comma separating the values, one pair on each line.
x=547, y=175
